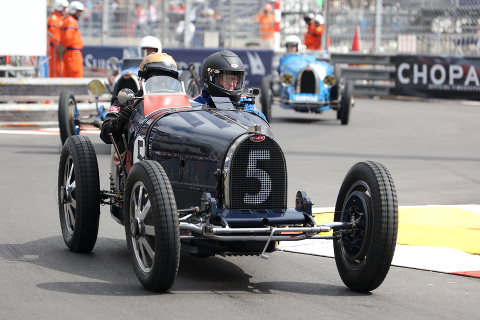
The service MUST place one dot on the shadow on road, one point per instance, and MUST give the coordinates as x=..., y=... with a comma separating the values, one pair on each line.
x=110, y=267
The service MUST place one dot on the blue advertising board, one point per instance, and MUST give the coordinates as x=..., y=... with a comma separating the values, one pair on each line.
x=257, y=62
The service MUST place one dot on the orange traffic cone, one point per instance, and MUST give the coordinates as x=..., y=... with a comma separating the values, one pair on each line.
x=356, y=40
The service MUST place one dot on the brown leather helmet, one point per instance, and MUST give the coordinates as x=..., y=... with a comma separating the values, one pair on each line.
x=158, y=64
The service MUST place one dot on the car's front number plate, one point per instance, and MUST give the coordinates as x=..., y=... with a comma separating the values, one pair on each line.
x=254, y=172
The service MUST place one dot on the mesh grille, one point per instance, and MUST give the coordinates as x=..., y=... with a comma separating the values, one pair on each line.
x=258, y=176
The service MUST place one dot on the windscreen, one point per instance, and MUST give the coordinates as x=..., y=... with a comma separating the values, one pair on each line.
x=162, y=85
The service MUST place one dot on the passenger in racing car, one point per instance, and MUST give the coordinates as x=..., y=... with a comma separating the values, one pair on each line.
x=116, y=120
x=223, y=75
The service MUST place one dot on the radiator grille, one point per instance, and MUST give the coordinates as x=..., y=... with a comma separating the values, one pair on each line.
x=307, y=83
x=258, y=176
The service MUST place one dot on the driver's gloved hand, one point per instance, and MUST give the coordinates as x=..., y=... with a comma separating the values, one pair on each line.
x=124, y=117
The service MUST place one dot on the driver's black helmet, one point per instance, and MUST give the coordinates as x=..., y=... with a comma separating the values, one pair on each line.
x=223, y=63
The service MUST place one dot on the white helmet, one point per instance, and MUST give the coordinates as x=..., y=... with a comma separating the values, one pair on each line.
x=319, y=19
x=75, y=6
x=59, y=5
x=149, y=42
x=292, y=41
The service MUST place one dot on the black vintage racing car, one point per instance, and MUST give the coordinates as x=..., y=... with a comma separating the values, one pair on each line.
x=210, y=181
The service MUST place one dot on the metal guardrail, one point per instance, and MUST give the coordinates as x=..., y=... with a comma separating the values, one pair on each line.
x=39, y=89
x=374, y=75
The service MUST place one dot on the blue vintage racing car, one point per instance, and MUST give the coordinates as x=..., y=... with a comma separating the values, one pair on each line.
x=305, y=84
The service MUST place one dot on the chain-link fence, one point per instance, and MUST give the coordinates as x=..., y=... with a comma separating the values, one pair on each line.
x=413, y=26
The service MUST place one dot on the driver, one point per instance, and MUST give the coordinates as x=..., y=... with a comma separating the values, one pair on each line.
x=146, y=46
x=117, y=117
x=223, y=75
x=292, y=46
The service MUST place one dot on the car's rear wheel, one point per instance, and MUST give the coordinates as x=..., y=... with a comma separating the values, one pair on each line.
x=152, y=226
x=346, y=103
x=79, y=194
x=191, y=86
x=68, y=115
x=368, y=197
x=266, y=97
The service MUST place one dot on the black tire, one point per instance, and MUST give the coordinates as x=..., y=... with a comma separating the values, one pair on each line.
x=79, y=194
x=192, y=88
x=155, y=231
x=364, y=258
x=68, y=116
x=266, y=97
x=337, y=89
x=346, y=103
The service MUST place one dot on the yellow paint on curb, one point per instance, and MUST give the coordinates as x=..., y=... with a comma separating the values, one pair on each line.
x=433, y=227
x=439, y=227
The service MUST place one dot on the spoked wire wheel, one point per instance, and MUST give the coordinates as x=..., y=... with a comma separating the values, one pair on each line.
x=152, y=226
x=142, y=227
x=368, y=198
x=69, y=195
x=79, y=194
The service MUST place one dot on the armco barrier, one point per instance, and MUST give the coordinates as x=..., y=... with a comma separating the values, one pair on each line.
x=373, y=74
x=38, y=89
x=451, y=77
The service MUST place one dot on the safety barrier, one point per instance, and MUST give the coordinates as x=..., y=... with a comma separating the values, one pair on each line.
x=424, y=76
x=373, y=74
x=39, y=89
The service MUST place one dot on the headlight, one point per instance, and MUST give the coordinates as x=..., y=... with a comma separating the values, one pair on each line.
x=329, y=81
x=287, y=79
x=96, y=88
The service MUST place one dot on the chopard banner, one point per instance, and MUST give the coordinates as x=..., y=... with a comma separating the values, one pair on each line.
x=257, y=62
x=451, y=77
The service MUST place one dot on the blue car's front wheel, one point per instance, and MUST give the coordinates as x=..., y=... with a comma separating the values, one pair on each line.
x=68, y=116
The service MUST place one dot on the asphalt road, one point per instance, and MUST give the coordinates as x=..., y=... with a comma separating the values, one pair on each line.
x=431, y=149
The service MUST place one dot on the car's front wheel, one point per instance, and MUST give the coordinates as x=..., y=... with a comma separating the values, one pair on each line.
x=346, y=103
x=364, y=254
x=79, y=194
x=152, y=226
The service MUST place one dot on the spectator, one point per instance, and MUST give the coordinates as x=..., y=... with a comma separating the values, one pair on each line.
x=55, y=22
x=314, y=34
x=266, y=19
x=219, y=26
x=71, y=42
x=141, y=18
x=152, y=15
x=308, y=18
x=204, y=22
x=87, y=10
